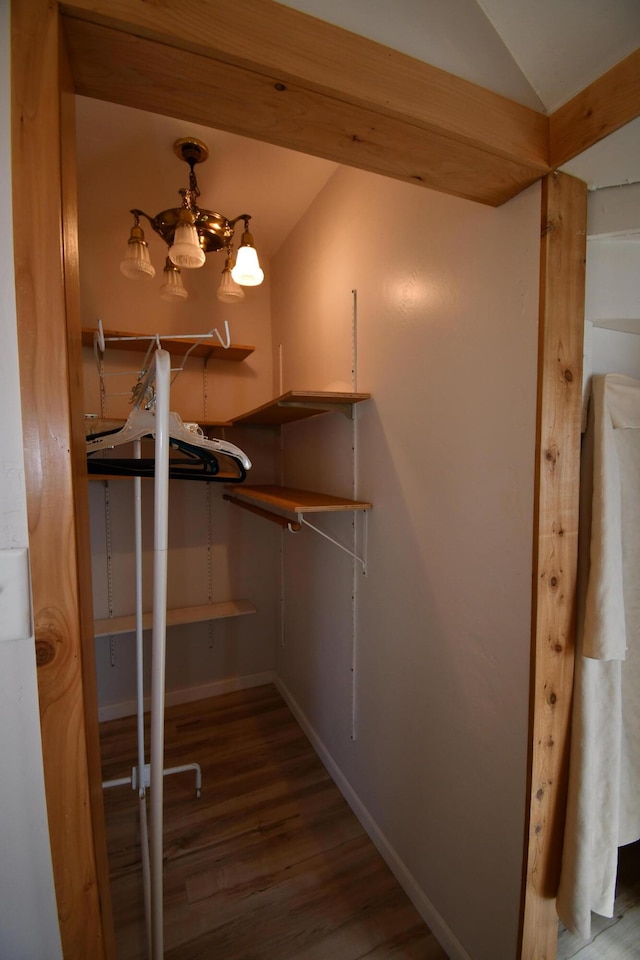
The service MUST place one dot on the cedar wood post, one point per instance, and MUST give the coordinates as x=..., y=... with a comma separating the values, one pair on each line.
x=555, y=548
x=47, y=296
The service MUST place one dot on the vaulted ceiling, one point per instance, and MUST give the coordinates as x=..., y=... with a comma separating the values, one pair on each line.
x=539, y=53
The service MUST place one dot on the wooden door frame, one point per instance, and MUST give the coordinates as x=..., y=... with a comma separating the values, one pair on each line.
x=334, y=76
x=49, y=345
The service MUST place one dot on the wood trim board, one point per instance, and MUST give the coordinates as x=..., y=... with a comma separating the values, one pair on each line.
x=283, y=44
x=45, y=300
x=603, y=107
x=555, y=549
x=80, y=488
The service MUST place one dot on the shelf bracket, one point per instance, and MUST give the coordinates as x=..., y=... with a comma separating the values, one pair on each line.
x=361, y=560
x=293, y=526
x=344, y=408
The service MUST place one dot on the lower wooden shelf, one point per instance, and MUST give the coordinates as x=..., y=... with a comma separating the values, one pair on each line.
x=113, y=626
x=288, y=501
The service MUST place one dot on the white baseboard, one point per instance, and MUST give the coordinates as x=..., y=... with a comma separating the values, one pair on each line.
x=128, y=708
x=441, y=931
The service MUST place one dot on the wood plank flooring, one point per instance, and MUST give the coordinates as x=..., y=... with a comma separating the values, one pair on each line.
x=270, y=863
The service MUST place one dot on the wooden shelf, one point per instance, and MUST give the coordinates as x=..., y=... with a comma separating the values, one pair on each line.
x=95, y=425
x=113, y=626
x=207, y=349
x=288, y=501
x=290, y=406
x=299, y=404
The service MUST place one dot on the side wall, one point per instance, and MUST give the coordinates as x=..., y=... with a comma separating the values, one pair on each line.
x=28, y=917
x=428, y=668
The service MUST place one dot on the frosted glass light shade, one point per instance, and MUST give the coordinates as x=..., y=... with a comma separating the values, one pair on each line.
x=247, y=271
x=186, y=250
x=172, y=288
x=136, y=264
x=229, y=291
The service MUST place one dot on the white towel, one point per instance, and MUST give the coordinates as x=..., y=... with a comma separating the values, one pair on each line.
x=603, y=810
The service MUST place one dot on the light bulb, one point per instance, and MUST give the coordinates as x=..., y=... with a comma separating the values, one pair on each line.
x=136, y=264
x=172, y=289
x=229, y=291
x=247, y=271
x=186, y=250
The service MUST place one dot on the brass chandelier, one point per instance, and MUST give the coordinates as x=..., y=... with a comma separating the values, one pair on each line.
x=190, y=233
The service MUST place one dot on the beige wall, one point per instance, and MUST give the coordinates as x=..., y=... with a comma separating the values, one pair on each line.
x=447, y=342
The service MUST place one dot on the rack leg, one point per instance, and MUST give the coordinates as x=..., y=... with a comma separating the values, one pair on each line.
x=183, y=769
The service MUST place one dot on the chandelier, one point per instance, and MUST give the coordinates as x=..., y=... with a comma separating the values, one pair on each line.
x=190, y=233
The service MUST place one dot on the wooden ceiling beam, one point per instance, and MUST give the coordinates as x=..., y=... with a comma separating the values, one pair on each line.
x=121, y=68
x=603, y=107
x=260, y=69
x=291, y=79
x=274, y=40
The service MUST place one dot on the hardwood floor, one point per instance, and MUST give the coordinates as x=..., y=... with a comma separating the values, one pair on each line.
x=270, y=863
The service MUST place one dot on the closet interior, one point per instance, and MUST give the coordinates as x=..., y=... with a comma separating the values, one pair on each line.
x=354, y=373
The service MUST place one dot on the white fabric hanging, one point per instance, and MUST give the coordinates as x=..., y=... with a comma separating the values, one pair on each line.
x=603, y=809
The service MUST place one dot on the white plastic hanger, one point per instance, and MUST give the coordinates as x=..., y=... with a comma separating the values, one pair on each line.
x=142, y=423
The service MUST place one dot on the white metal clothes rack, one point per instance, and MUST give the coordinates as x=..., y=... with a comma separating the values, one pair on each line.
x=152, y=775
x=151, y=416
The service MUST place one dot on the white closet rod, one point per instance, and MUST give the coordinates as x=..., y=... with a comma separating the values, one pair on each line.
x=142, y=802
x=161, y=364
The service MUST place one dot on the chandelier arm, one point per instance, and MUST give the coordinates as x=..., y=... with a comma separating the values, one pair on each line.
x=141, y=213
x=155, y=225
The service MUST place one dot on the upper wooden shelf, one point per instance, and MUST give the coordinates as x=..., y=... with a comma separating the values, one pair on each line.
x=207, y=349
x=299, y=404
